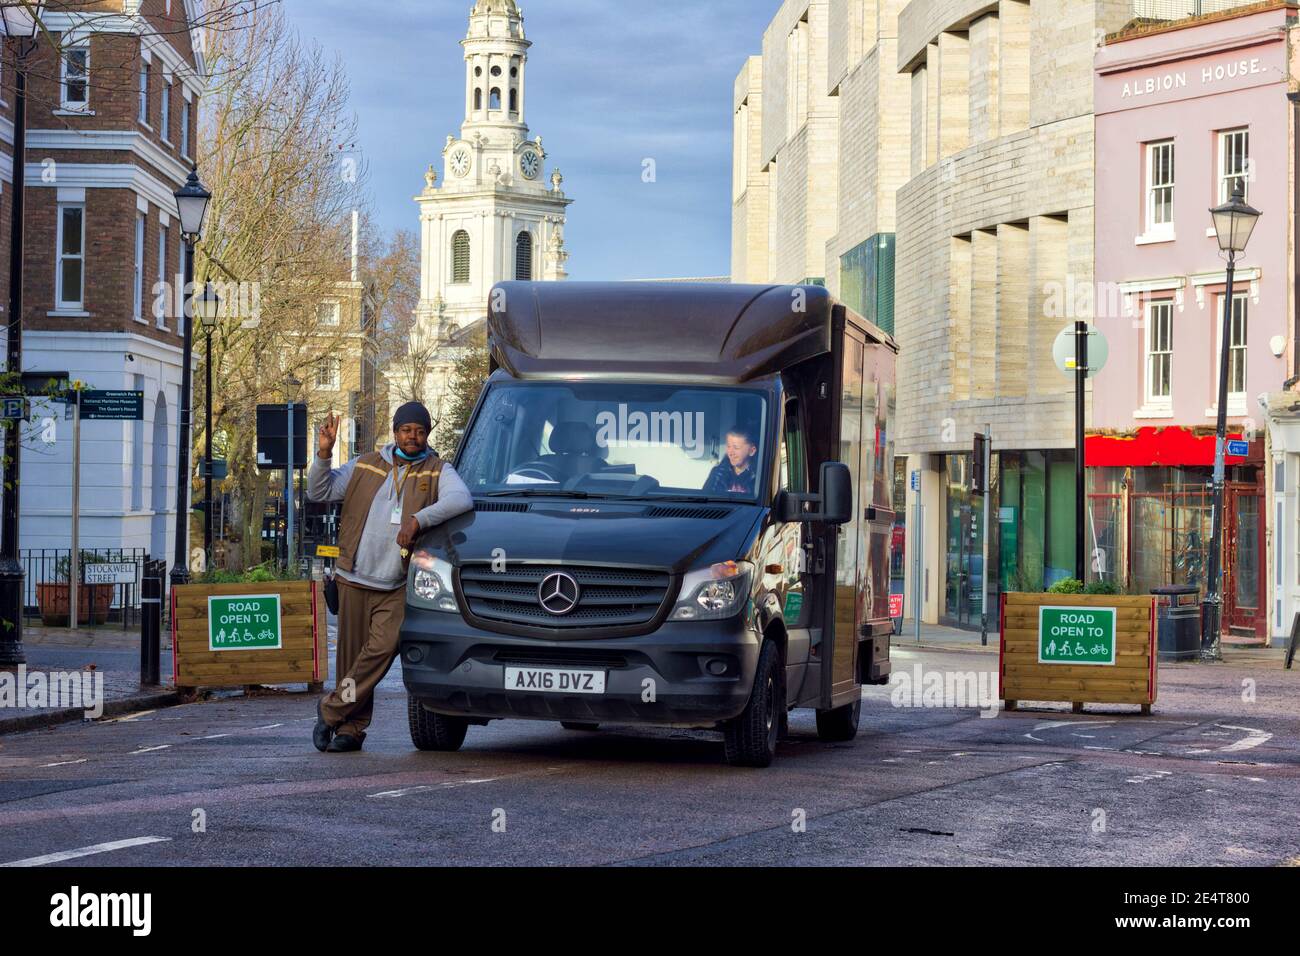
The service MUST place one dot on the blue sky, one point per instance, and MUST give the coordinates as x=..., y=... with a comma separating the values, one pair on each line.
x=610, y=83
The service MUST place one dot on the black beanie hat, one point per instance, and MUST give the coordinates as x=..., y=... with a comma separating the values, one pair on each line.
x=412, y=413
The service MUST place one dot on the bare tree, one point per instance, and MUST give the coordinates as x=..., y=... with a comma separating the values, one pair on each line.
x=275, y=130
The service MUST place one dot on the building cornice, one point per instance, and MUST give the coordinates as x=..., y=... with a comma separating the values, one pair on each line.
x=107, y=176
x=136, y=143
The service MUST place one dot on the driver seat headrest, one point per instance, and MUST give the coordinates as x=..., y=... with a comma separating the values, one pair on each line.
x=574, y=438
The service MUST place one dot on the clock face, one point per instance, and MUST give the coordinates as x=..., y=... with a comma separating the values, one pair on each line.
x=531, y=164
x=459, y=161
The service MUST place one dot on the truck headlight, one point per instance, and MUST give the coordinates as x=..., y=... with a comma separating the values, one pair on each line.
x=714, y=593
x=431, y=582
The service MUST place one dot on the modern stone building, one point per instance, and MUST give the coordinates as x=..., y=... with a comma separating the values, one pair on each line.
x=994, y=222
x=820, y=139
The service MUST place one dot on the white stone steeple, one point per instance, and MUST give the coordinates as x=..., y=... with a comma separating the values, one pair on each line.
x=495, y=212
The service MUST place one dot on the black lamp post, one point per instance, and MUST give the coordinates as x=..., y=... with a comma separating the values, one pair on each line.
x=192, y=204
x=1234, y=221
x=19, y=22
x=209, y=305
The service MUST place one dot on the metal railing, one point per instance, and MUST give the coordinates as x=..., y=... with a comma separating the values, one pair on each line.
x=46, y=593
x=1178, y=9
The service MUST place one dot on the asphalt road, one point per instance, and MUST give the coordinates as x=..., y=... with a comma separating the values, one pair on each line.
x=1210, y=777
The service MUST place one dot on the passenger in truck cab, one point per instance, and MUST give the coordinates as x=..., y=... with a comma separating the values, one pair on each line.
x=735, y=474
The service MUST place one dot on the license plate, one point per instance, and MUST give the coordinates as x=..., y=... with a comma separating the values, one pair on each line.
x=554, y=680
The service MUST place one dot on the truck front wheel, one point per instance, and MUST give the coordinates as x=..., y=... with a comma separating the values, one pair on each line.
x=750, y=739
x=430, y=731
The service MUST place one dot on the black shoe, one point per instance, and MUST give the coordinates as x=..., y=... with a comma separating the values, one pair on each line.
x=343, y=744
x=322, y=733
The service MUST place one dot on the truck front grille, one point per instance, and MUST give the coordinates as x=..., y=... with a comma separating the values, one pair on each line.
x=608, y=597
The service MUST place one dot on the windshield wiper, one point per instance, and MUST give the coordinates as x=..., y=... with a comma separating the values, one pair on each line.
x=702, y=499
x=542, y=492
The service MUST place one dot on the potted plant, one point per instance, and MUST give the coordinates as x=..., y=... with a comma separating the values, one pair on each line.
x=55, y=597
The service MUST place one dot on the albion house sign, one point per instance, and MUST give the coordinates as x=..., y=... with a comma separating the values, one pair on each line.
x=1206, y=76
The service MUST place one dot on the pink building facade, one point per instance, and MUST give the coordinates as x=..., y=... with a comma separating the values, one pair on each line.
x=1184, y=112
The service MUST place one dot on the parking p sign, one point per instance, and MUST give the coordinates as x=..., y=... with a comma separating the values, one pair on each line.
x=1076, y=635
x=244, y=622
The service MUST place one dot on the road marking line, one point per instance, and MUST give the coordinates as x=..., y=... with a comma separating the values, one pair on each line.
x=450, y=784
x=64, y=763
x=215, y=736
x=269, y=726
x=127, y=718
x=63, y=855
x=1066, y=723
x=145, y=750
x=1253, y=739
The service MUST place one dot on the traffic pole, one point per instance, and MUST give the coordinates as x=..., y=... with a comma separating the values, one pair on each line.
x=1080, y=383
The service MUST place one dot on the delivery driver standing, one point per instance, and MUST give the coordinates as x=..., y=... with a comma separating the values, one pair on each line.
x=389, y=497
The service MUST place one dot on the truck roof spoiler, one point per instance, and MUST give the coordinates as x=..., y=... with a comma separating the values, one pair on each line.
x=705, y=332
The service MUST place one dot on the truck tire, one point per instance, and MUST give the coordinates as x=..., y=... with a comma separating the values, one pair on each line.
x=750, y=739
x=841, y=723
x=430, y=731
x=578, y=725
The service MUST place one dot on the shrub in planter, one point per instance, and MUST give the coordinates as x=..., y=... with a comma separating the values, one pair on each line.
x=1066, y=586
x=1102, y=587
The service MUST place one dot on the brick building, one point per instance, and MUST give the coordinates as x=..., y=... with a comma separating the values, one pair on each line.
x=111, y=134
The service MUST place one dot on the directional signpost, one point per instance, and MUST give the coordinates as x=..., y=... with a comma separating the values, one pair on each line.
x=117, y=406
x=112, y=406
x=1238, y=449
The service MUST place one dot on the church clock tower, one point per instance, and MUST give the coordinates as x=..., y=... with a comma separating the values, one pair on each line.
x=496, y=214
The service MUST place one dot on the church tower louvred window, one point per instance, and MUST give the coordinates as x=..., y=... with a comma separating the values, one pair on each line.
x=524, y=256
x=460, y=256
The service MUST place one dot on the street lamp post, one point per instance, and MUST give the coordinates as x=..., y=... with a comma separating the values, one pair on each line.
x=1234, y=221
x=209, y=308
x=19, y=22
x=192, y=205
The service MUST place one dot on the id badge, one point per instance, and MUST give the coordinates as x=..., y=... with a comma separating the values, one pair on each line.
x=397, y=515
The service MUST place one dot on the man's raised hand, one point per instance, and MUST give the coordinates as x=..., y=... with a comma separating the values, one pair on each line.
x=329, y=434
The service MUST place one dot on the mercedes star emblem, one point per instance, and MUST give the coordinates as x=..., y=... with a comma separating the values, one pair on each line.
x=558, y=593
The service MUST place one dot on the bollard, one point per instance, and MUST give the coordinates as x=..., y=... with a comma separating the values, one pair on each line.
x=151, y=622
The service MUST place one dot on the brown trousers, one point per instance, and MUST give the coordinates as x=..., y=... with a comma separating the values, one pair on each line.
x=369, y=622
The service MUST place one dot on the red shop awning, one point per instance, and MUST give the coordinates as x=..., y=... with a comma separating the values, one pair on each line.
x=1171, y=446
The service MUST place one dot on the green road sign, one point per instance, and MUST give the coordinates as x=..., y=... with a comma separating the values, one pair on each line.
x=244, y=622
x=1076, y=635
x=112, y=405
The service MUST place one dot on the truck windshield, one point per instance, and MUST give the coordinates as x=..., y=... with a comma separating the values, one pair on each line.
x=616, y=440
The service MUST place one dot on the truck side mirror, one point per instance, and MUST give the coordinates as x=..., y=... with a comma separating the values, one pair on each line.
x=836, y=493
x=834, y=505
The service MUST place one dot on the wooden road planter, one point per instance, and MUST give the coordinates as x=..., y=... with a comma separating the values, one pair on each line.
x=301, y=658
x=1081, y=666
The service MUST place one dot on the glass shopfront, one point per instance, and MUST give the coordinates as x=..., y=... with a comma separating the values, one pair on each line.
x=1031, y=533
